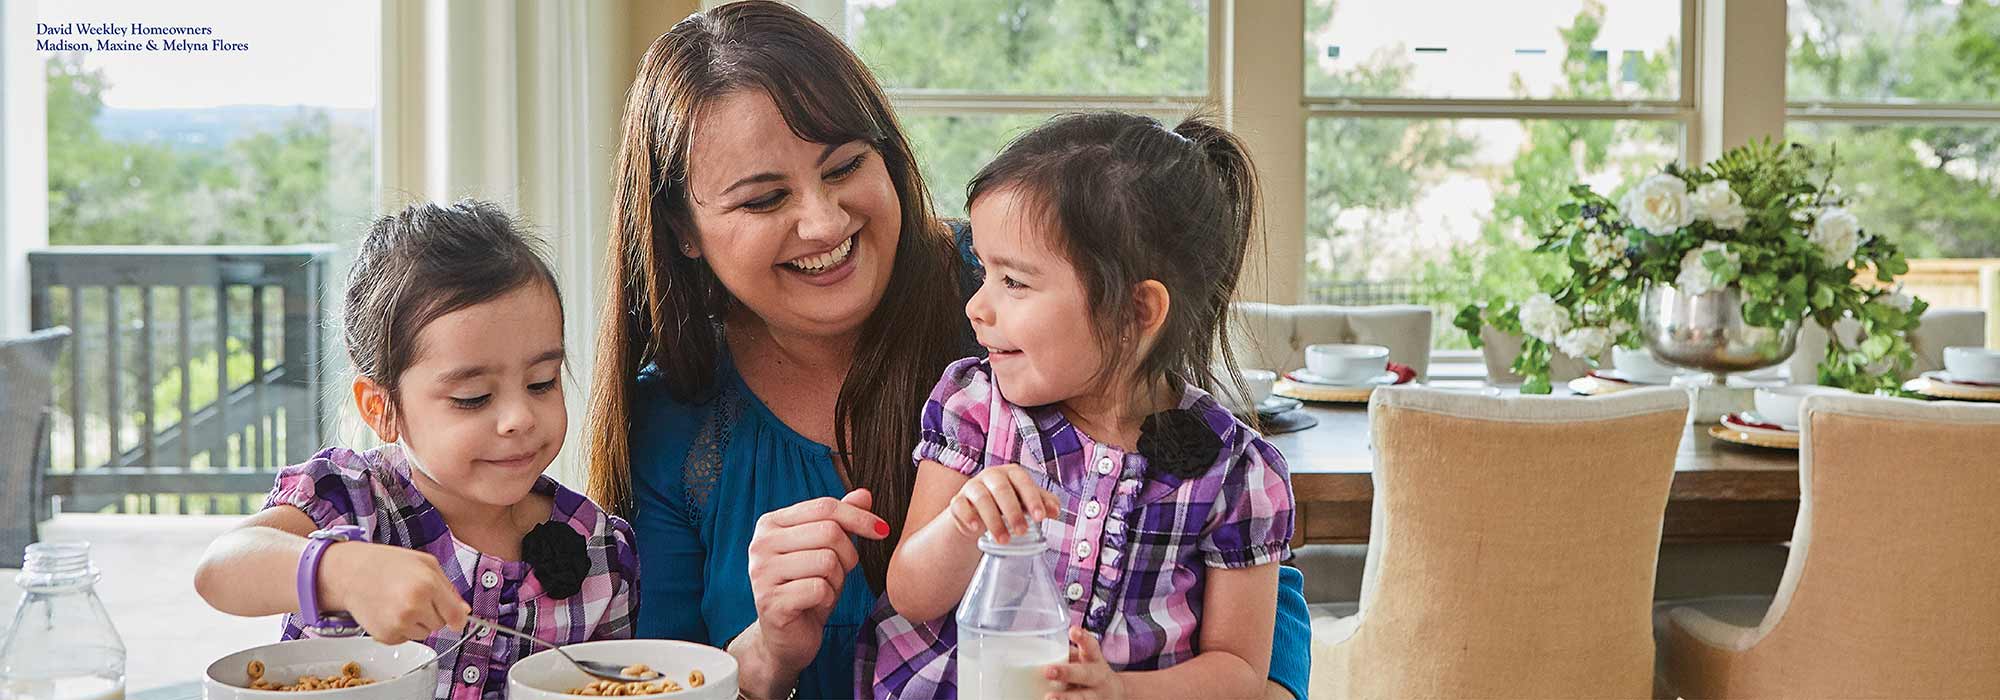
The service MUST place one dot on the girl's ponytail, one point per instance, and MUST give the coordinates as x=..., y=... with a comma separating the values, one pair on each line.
x=1231, y=159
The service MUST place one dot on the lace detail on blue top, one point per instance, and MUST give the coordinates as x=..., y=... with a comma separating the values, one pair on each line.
x=704, y=457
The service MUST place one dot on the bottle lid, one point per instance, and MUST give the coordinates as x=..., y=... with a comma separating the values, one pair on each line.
x=1031, y=542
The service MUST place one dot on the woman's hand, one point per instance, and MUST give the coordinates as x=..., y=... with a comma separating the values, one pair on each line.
x=1002, y=500
x=396, y=594
x=799, y=559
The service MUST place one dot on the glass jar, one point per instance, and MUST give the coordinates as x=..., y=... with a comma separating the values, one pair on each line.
x=1012, y=623
x=61, y=645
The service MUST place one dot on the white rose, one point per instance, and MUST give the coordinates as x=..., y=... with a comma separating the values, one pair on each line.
x=1543, y=318
x=1600, y=250
x=1585, y=342
x=1619, y=327
x=1837, y=233
x=1659, y=205
x=1897, y=300
x=1719, y=205
x=1695, y=277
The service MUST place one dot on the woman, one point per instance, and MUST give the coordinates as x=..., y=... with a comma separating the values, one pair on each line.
x=772, y=240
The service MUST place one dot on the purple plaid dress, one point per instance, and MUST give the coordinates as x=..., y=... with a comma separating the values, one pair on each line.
x=372, y=489
x=1130, y=548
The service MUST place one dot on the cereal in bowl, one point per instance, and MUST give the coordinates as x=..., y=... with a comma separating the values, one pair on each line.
x=350, y=676
x=653, y=684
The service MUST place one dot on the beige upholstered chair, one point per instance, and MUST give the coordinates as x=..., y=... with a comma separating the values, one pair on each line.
x=1889, y=592
x=1512, y=550
x=1275, y=336
x=1942, y=328
x=1498, y=349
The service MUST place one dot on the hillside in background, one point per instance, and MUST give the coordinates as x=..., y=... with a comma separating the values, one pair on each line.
x=213, y=127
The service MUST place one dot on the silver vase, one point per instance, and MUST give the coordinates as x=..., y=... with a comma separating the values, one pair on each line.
x=1707, y=331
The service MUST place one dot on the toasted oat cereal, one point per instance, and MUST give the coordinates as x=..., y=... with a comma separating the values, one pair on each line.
x=350, y=676
x=654, y=683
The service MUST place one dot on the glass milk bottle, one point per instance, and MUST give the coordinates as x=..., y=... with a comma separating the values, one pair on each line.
x=1011, y=624
x=61, y=645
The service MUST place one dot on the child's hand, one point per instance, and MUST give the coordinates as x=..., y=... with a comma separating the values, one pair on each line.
x=1003, y=500
x=395, y=594
x=1087, y=676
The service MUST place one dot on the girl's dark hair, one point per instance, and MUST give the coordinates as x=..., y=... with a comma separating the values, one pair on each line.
x=1127, y=200
x=661, y=308
x=426, y=261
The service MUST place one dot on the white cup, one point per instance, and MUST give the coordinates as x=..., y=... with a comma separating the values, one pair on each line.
x=1345, y=363
x=1780, y=404
x=1639, y=365
x=1259, y=382
x=1972, y=363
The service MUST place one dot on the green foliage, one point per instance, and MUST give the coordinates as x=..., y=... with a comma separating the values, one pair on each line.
x=1780, y=235
x=1934, y=189
x=1501, y=263
x=1131, y=47
x=309, y=181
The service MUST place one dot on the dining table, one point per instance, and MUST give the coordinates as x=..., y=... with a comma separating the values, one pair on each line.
x=1722, y=492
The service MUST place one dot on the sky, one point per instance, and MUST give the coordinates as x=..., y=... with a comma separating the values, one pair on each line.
x=302, y=52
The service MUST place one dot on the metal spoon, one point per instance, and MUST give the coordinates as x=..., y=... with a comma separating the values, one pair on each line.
x=596, y=669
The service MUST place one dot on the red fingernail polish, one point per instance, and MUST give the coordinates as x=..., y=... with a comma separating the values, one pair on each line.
x=882, y=528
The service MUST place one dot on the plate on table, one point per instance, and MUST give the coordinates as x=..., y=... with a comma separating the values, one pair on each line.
x=1276, y=405
x=1594, y=384
x=1306, y=386
x=1305, y=376
x=1614, y=375
x=1749, y=429
x=1940, y=385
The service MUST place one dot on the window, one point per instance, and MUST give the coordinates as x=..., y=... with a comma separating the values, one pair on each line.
x=967, y=75
x=1434, y=149
x=269, y=145
x=1905, y=94
x=252, y=133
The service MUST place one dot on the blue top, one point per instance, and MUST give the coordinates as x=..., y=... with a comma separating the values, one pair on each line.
x=702, y=473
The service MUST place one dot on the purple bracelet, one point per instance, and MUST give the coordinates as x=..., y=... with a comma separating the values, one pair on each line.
x=310, y=616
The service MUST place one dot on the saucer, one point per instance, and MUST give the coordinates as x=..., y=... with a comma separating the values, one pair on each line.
x=1305, y=376
x=1278, y=404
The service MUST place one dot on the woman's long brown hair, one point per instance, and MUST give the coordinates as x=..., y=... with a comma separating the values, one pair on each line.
x=662, y=308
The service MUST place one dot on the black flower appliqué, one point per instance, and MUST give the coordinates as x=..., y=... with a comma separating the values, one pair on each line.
x=558, y=557
x=1178, y=442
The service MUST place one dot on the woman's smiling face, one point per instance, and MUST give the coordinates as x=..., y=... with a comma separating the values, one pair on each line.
x=804, y=234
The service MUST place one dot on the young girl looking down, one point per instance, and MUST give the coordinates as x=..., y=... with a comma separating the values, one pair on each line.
x=454, y=327
x=1111, y=246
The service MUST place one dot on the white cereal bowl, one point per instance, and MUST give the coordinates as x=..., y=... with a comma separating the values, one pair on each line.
x=1346, y=363
x=547, y=676
x=1780, y=404
x=228, y=678
x=1973, y=363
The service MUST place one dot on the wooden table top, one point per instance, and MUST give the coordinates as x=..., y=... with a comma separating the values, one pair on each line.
x=1721, y=491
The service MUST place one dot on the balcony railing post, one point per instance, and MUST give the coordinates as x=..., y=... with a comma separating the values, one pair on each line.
x=246, y=409
x=304, y=299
